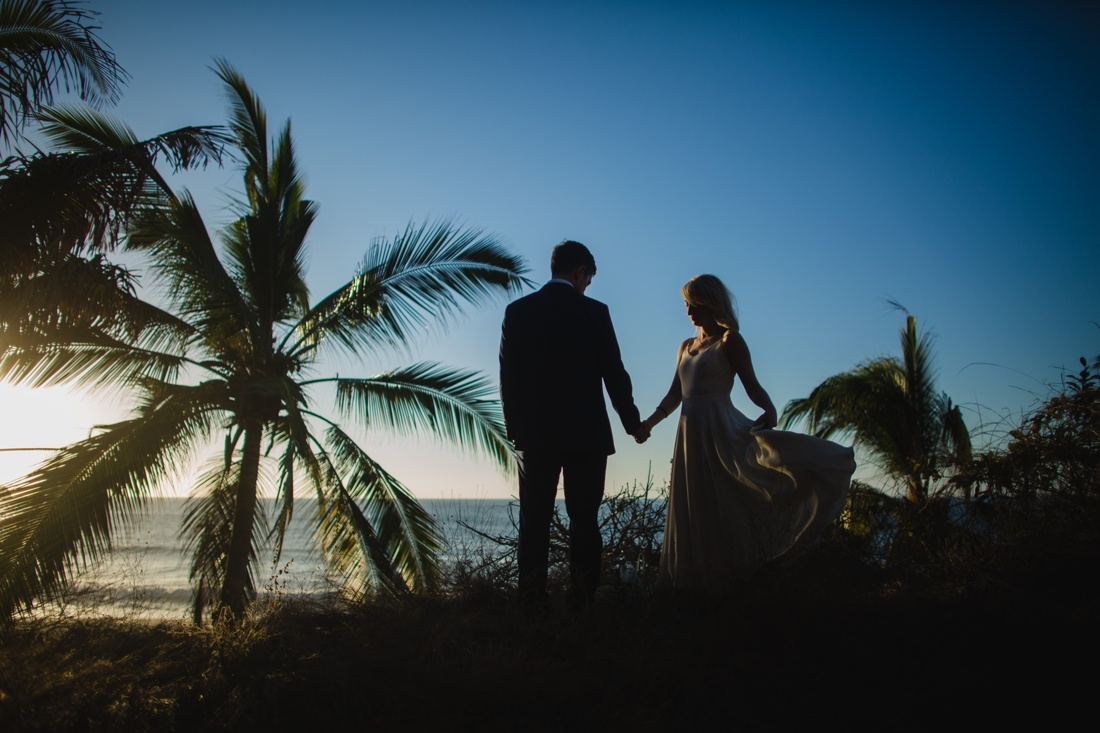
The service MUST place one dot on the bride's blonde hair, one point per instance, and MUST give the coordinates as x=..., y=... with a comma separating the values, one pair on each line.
x=707, y=291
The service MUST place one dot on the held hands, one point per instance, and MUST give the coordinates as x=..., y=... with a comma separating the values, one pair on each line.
x=642, y=434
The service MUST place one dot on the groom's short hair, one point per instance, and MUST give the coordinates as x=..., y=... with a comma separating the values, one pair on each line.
x=568, y=256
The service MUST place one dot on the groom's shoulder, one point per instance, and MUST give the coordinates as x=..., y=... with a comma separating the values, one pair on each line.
x=526, y=306
x=554, y=298
x=531, y=300
x=595, y=305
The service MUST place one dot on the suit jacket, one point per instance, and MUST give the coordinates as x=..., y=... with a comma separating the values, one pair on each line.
x=557, y=353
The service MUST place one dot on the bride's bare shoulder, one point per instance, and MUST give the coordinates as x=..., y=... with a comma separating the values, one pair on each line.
x=733, y=338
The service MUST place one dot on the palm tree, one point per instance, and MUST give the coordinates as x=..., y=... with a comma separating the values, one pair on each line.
x=233, y=356
x=891, y=408
x=44, y=44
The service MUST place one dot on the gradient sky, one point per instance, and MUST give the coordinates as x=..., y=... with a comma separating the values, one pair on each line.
x=820, y=157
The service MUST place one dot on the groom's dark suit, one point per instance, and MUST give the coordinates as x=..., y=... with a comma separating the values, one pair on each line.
x=557, y=353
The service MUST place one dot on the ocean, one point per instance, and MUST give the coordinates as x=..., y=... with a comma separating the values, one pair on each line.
x=145, y=575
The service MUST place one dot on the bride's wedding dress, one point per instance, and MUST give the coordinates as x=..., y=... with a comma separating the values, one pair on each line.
x=738, y=497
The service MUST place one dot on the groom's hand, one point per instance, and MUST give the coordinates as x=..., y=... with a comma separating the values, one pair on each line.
x=641, y=435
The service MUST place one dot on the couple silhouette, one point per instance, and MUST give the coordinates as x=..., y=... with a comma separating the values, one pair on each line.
x=741, y=494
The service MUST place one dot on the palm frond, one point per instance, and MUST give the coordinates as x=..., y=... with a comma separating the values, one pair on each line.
x=955, y=436
x=265, y=247
x=62, y=515
x=206, y=530
x=101, y=137
x=284, y=500
x=420, y=278
x=265, y=254
x=93, y=293
x=248, y=123
x=388, y=521
x=348, y=315
x=85, y=359
x=352, y=547
x=295, y=216
x=294, y=433
x=349, y=544
x=74, y=128
x=43, y=45
x=186, y=261
x=920, y=382
x=456, y=405
x=836, y=405
x=55, y=204
x=269, y=245
x=86, y=300
x=868, y=403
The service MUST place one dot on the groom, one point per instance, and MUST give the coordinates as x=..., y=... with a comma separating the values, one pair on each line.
x=557, y=353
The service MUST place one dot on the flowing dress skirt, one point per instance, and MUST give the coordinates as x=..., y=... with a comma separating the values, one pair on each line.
x=739, y=497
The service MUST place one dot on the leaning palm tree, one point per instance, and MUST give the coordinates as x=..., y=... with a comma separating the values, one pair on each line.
x=45, y=44
x=892, y=409
x=231, y=361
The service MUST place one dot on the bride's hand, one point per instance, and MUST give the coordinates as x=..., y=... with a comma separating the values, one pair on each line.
x=767, y=421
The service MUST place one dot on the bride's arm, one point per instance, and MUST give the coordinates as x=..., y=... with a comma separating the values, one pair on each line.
x=737, y=351
x=672, y=399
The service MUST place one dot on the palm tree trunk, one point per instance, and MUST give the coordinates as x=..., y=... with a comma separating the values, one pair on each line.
x=918, y=492
x=234, y=594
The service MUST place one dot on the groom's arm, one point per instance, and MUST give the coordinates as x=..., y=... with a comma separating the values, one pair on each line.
x=509, y=358
x=615, y=377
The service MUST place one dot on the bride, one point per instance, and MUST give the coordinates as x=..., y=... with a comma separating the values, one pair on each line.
x=741, y=493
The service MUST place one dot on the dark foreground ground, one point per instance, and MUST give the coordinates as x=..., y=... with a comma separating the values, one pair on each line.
x=795, y=648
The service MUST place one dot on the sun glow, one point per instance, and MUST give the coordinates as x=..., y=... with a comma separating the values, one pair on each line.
x=37, y=421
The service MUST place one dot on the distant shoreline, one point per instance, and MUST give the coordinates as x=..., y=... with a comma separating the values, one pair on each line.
x=146, y=575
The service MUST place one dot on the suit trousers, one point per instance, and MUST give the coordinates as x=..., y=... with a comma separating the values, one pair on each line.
x=583, y=476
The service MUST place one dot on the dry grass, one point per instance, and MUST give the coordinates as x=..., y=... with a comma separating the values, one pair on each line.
x=822, y=643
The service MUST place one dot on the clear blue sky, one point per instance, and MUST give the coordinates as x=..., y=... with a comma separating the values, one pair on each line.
x=820, y=157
